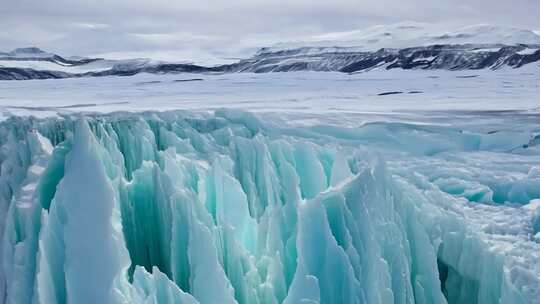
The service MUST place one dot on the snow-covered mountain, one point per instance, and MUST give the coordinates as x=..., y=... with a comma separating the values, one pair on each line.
x=413, y=34
x=34, y=54
x=406, y=45
x=34, y=63
x=348, y=59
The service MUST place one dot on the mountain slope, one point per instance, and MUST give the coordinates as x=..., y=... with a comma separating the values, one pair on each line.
x=404, y=45
x=413, y=34
x=447, y=57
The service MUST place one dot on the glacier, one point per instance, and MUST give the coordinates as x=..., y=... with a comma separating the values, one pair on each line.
x=229, y=206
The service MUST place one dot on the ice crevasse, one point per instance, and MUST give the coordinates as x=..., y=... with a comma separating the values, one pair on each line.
x=180, y=207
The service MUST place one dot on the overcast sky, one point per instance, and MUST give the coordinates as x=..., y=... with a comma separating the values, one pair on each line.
x=195, y=27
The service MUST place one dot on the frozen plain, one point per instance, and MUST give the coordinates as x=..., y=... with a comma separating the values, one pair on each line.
x=273, y=188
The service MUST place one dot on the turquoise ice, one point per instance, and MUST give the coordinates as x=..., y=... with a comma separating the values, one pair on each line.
x=229, y=207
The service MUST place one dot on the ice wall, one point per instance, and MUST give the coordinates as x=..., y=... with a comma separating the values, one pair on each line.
x=227, y=208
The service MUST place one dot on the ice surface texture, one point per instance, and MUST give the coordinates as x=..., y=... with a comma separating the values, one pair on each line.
x=178, y=207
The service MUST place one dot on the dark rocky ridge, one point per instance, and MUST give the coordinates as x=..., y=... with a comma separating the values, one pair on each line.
x=26, y=74
x=347, y=60
x=447, y=57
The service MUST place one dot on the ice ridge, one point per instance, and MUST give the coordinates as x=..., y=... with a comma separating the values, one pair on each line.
x=180, y=207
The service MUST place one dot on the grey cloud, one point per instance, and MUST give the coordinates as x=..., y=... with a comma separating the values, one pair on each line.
x=100, y=26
